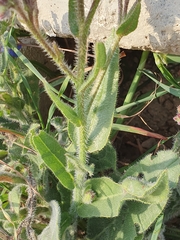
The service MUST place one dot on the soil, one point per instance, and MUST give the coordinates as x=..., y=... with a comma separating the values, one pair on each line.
x=157, y=117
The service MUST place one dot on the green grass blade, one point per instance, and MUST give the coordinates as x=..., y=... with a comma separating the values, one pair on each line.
x=157, y=94
x=125, y=128
x=132, y=88
x=173, y=91
x=66, y=110
x=167, y=75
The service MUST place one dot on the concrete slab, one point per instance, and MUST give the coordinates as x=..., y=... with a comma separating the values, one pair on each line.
x=158, y=29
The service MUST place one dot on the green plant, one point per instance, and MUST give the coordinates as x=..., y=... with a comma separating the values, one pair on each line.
x=65, y=169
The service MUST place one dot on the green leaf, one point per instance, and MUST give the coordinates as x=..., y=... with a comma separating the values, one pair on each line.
x=53, y=156
x=12, y=102
x=109, y=197
x=100, y=55
x=152, y=166
x=100, y=104
x=15, y=198
x=121, y=227
x=66, y=110
x=133, y=215
x=104, y=159
x=52, y=231
x=72, y=15
x=108, y=203
x=131, y=20
x=3, y=154
x=157, y=228
x=167, y=75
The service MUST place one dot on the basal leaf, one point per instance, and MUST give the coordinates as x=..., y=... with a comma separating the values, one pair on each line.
x=53, y=156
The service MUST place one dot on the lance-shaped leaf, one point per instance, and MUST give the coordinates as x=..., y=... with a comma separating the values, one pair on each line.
x=100, y=104
x=73, y=18
x=65, y=109
x=131, y=20
x=53, y=156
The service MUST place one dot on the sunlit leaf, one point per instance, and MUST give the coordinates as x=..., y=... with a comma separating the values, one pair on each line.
x=53, y=156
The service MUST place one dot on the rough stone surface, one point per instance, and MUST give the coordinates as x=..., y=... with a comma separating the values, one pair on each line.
x=158, y=29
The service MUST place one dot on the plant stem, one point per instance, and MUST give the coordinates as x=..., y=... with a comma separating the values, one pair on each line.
x=132, y=89
x=56, y=54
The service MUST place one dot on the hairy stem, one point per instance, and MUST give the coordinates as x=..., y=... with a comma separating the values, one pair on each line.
x=55, y=53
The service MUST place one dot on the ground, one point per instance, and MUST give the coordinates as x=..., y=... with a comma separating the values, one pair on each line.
x=156, y=117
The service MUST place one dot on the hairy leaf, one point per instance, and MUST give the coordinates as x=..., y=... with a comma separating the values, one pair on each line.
x=151, y=167
x=131, y=20
x=100, y=104
x=73, y=21
x=53, y=156
x=133, y=214
x=104, y=159
x=52, y=231
x=109, y=197
x=66, y=110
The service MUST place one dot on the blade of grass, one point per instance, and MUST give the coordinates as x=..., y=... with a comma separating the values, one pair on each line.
x=173, y=91
x=125, y=128
x=132, y=89
x=167, y=75
x=157, y=94
x=66, y=110
x=28, y=88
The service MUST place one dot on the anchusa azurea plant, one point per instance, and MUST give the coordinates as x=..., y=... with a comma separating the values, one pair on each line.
x=59, y=178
